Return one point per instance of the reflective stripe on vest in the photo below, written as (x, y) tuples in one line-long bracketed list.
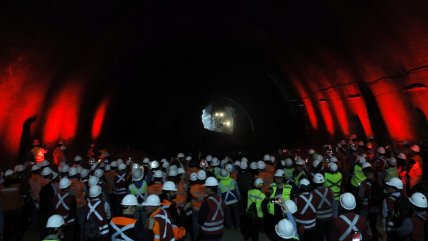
[(323, 213), (137, 192), (334, 182), (92, 210), (213, 225), (298, 176), (358, 176), (167, 221), (121, 232), (308, 204), (120, 178), (288, 173), (227, 188), (255, 195), (351, 226), (61, 201)]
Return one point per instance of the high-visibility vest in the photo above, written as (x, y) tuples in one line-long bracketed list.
[(96, 209), (299, 176), (257, 196), (390, 173), (198, 194), (162, 229), (138, 192), (119, 184), (288, 173), (179, 232), (214, 223), (358, 176), (334, 182), (228, 191), (306, 214), (120, 225), (286, 192)]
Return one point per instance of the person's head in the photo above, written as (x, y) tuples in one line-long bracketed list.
[(394, 185), (419, 201), (279, 176), (285, 229), (299, 164), (64, 184), (332, 167), (129, 204), (54, 225), (347, 202), (318, 179), (368, 170), (169, 190), (211, 185), (151, 204), (305, 185), (258, 183)]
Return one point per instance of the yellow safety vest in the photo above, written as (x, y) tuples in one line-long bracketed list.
[(286, 193), (257, 196), (334, 182), (358, 176)]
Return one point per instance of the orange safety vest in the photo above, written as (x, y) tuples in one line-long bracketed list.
[(154, 188), (198, 194), (179, 232), (121, 227), (162, 228)]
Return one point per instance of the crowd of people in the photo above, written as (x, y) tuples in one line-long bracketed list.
[(354, 190)]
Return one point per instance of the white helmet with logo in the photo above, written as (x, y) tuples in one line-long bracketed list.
[(193, 176), (419, 200), (154, 164), (253, 165), (318, 178), (202, 175), (208, 158), (180, 155), (244, 159)]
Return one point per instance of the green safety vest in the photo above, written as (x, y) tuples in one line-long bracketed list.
[(334, 182), (390, 173), (358, 176), (286, 193), (227, 189), (298, 176), (288, 173), (257, 196), (138, 192)]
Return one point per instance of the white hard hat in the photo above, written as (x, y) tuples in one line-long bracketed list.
[(119, 161), (311, 151), (237, 163), (261, 165), (243, 165), (180, 155), (318, 178), (347, 201), (130, 200), (173, 167), (401, 156), (272, 159), (154, 164), (9, 172), (229, 168), (180, 170), (165, 165), (319, 158), (64, 168), (366, 165), (172, 172), (392, 161), (45, 163), (285, 229), (152, 200), (106, 168), (35, 167), (208, 158), (300, 162), (333, 159), (381, 150), (84, 173), (215, 162), (395, 182), (113, 164), (211, 182), (19, 168), (258, 182), (288, 162), (253, 165), (193, 176), (361, 160), (95, 191), (77, 158), (304, 182), (244, 159), (46, 171), (164, 160), (64, 183), (72, 171), (202, 175), (315, 163), (135, 166), (188, 158), (146, 160), (419, 200), (169, 186), (121, 166), (266, 157), (224, 173), (55, 221), (137, 175), (93, 180), (279, 173), (291, 206), (415, 148), (99, 173), (332, 166), (158, 174)]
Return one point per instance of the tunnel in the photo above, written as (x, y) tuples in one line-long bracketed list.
[(139, 74)]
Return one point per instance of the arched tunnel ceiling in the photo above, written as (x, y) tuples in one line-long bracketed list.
[(339, 67)]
